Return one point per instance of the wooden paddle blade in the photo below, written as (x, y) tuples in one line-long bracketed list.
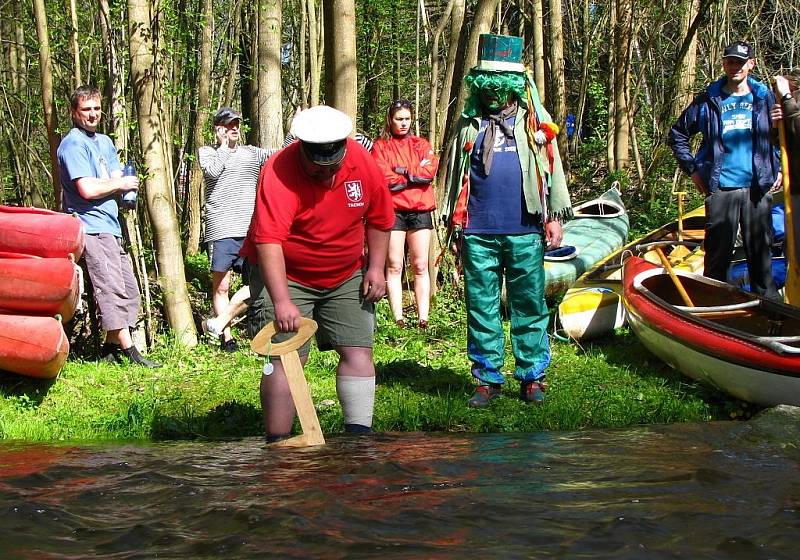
[(302, 399), (262, 342), (296, 441)]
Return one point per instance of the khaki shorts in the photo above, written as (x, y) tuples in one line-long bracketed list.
[(344, 317)]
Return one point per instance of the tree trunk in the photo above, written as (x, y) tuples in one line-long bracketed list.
[(557, 79), (315, 51), (73, 44), (48, 103), (538, 48), (195, 195), (269, 106), (451, 84), (433, 125), (158, 190), (341, 67), (686, 67), (622, 43)]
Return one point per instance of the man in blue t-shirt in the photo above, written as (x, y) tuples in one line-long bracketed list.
[(92, 181), (735, 167)]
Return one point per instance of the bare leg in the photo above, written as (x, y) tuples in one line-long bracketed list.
[(419, 241), (394, 273), (120, 337), (276, 400), (236, 307), (220, 285)]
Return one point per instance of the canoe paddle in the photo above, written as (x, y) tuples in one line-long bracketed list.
[(287, 350), (678, 284)]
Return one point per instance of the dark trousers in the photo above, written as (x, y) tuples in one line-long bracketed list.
[(726, 212)]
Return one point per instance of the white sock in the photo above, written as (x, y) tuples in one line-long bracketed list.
[(357, 397)]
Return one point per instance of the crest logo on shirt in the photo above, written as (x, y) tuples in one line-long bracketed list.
[(353, 191)]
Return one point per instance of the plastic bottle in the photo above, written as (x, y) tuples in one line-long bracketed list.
[(129, 197)]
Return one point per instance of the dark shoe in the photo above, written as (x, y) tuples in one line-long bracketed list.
[(484, 394), (532, 391), (135, 357), (400, 324), (229, 346), (110, 353), (422, 324), (275, 438), (357, 429)]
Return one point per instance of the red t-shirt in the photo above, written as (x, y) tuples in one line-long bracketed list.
[(416, 155), (321, 229)]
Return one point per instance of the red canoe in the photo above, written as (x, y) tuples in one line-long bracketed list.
[(32, 346), (35, 286), (735, 341), (34, 231)]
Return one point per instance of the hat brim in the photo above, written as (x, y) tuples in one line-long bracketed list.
[(318, 158), (228, 120)]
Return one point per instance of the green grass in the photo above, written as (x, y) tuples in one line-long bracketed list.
[(423, 385)]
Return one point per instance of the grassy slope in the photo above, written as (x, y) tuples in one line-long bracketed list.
[(423, 385)]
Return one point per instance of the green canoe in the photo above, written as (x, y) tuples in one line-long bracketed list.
[(599, 228)]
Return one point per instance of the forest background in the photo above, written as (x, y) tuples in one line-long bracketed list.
[(623, 70)]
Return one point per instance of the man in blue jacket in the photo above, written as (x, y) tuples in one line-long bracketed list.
[(735, 167)]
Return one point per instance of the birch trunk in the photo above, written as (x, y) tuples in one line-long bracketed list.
[(158, 190), (48, 103)]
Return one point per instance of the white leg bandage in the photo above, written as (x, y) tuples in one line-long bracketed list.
[(357, 397)]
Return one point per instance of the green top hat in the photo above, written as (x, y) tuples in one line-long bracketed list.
[(499, 53)]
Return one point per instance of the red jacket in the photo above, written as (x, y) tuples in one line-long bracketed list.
[(416, 156)]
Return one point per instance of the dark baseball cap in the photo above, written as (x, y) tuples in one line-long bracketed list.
[(226, 115), (738, 49)]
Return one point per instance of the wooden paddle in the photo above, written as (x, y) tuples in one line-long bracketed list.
[(792, 288), (287, 350), (675, 280)]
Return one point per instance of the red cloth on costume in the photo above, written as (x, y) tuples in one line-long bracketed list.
[(416, 156), (321, 229)]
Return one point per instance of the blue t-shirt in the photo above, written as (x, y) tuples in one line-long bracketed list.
[(496, 201), (737, 141), (83, 155)]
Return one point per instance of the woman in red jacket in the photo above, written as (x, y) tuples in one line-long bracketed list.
[(409, 166)]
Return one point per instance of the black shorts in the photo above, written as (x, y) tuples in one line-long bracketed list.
[(411, 220)]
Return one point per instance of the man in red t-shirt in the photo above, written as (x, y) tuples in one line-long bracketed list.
[(318, 202)]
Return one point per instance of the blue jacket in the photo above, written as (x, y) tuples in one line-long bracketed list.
[(704, 115)]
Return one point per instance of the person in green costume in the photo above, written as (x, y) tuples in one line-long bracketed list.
[(506, 200)]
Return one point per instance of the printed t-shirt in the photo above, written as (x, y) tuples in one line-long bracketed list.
[(496, 201), (321, 229), (82, 154), (737, 141)]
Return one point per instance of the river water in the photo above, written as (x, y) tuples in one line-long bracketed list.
[(713, 490)]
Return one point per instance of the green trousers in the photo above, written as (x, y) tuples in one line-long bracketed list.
[(521, 257)]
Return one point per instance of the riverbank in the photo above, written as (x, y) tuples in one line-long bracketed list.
[(423, 385)]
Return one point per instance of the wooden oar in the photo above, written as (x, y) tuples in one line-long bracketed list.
[(675, 280), (287, 350), (792, 288)]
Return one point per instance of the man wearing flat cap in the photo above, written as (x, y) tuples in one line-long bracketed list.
[(319, 201), (231, 174), (735, 167)]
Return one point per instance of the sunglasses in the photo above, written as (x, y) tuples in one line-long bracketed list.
[(401, 104)]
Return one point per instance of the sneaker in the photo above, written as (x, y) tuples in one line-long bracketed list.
[(532, 392), (484, 394), (210, 328), (400, 323), (423, 324), (229, 346)]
